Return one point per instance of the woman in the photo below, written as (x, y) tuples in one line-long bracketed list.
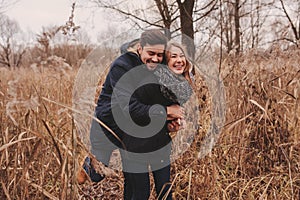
[(176, 80)]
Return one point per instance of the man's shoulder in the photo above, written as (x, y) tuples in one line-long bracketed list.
[(128, 59)]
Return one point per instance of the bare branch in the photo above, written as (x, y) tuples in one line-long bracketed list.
[(128, 14), (164, 12), (213, 3), (290, 20), (207, 12), (285, 39)]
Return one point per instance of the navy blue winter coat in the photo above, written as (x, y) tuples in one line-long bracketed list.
[(119, 98)]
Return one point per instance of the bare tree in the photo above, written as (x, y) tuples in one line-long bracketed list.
[(231, 29), (221, 24), (10, 52), (255, 17), (239, 24)]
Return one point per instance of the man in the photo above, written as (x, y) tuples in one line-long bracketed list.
[(117, 106)]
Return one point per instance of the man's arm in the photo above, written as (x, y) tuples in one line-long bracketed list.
[(125, 83)]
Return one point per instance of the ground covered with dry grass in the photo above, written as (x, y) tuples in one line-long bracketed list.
[(255, 157)]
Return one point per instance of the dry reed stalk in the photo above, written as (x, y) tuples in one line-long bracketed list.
[(6, 192), (190, 183), (47, 194), (5, 146)]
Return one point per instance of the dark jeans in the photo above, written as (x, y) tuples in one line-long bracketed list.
[(101, 146), (137, 185)]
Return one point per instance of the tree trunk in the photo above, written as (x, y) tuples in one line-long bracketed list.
[(186, 25), (237, 26)]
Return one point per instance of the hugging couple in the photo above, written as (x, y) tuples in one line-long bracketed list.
[(141, 103)]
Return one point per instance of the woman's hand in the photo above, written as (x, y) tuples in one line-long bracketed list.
[(181, 122)]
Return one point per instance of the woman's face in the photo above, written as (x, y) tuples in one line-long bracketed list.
[(176, 60)]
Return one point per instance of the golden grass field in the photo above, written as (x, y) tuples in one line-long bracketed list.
[(257, 155)]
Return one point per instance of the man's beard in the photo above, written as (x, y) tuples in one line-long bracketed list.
[(151, 66)]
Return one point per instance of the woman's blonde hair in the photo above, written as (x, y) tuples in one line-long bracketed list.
[(188, 68)]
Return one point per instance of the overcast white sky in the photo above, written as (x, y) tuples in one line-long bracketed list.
[(34, 14)]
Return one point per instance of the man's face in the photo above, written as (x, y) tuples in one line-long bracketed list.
[(152, 55)]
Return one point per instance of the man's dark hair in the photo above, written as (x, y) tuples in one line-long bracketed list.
[(153, 37)]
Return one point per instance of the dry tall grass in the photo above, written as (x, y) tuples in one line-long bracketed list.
[(256, 156)]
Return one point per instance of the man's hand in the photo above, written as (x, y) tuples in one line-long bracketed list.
[(176, 125), (175, 112)]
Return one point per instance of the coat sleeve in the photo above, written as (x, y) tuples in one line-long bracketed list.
[(142, 114)]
